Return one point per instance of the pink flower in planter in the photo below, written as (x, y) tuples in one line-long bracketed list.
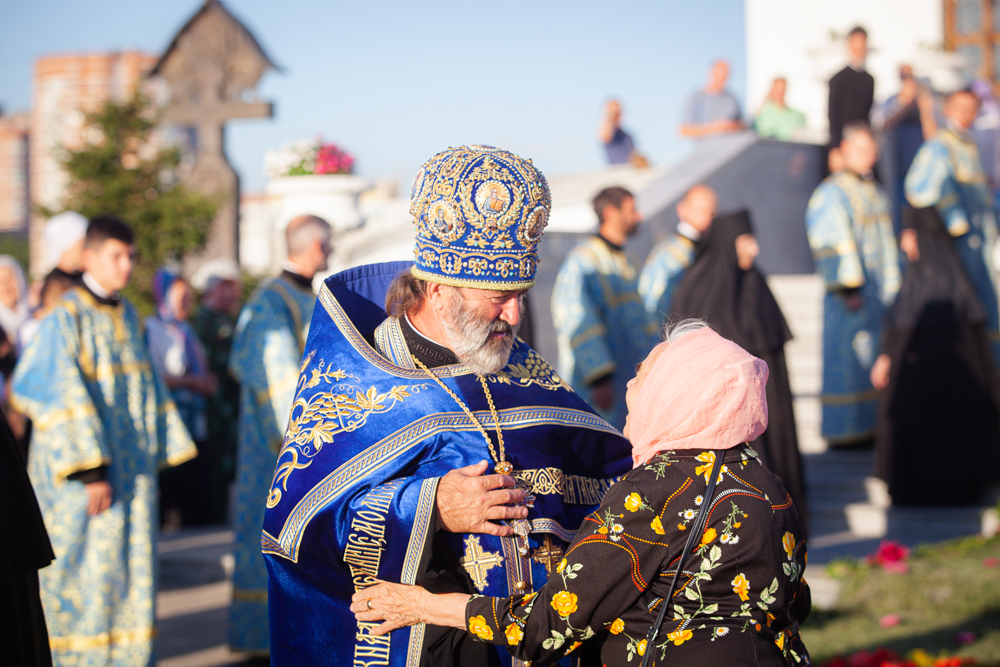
[(991, 562)]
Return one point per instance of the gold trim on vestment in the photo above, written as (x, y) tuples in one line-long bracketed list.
[(497, 285), (385, 451), (243, 595), (85, 643)]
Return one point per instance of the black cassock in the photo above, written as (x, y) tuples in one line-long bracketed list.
[(938, 438), (24, 639), (739, 305), (851, 96)]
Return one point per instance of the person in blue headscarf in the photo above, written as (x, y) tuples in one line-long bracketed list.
[(179, 357)]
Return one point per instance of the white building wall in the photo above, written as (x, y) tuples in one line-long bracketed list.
[(792, 38)]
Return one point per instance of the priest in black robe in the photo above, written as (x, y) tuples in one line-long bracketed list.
[(724, 288), (937, 439), (852, 89), (24, 639)]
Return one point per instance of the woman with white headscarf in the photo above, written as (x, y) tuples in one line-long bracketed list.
[(13, 297)]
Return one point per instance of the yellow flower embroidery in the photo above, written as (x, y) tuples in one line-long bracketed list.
[(681, 526), (741, 586), (564, 602), (617, 626), (562, 564), (780, 640), (708, 458), (679, 636), (641, 648), (478, 627), (708, 537), (788, 541), (603, 530), (514, 634), (527, 598), (633, 502), (657, 526), (575, 646), (737, 524)]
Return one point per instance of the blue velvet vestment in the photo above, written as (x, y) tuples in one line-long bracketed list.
[(353, 497)]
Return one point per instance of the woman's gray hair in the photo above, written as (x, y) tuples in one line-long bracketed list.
[(674, 331)]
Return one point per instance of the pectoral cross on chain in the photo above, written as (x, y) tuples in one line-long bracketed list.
[(549, 554), (477, 561)]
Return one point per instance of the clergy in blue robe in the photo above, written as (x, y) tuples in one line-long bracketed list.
[(391, 408), (851, 236), (665, 266), (602, 327), (265, 359), (947, 174), (104, 426)]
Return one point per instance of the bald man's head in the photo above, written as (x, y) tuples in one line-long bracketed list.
[(697, 208), (308, 238)]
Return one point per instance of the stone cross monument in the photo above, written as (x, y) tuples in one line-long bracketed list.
[(212, 67)]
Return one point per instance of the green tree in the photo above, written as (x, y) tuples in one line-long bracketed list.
[(119, 172)]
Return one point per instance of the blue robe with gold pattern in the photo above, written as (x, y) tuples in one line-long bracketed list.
[(601, 325), (854, 248), (663, 272), (369, 436), (265, 359), (86, 382), (947, 174)]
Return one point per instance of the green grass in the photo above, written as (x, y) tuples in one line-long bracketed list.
[(947, 590)]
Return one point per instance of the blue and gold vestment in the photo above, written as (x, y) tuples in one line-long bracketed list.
[(265, 359), (948, 174), (601, 324), (86, 382), (851, 236), (663, 272), (369, 436)]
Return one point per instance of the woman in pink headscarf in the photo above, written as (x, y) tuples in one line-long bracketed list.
[(741, 595)]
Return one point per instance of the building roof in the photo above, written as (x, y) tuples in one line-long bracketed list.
[(209, 6)]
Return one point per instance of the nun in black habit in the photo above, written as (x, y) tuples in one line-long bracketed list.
[(24, 639), (724, 288), (938, 435)]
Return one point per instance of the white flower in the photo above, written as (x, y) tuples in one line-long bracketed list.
[(734, 539), (698, 501), (725, 538), (617, 528), (687, 514), (719, 632)]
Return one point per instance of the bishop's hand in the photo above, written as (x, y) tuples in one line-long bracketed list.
[(469, 501)]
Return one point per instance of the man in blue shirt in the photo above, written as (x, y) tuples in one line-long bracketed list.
[(618, 144), (713, 110)]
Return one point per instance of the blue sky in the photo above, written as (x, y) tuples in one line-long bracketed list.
[(395, 82)]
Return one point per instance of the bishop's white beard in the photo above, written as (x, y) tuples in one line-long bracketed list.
[(470, 337)]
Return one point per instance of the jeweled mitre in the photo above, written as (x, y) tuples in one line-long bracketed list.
[(480, 213)]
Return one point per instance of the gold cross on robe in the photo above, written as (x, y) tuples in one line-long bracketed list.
[(477, 561), (549, 554)]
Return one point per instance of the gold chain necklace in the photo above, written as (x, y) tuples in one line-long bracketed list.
[(501, 464)]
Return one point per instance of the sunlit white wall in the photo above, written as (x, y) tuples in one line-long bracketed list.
[(792, 38)]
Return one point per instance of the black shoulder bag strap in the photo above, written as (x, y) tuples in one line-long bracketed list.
[(693, 538)]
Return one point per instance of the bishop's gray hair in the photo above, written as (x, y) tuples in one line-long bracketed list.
[(674, 331)]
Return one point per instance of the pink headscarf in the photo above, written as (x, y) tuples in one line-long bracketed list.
[(703, 392)]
